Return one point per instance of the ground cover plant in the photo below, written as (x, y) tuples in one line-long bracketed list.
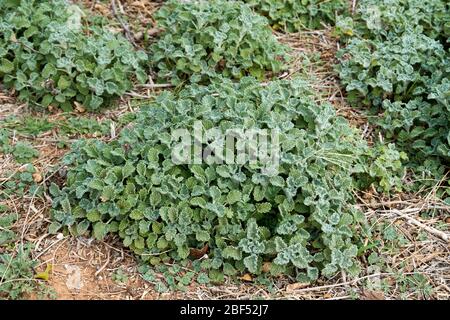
[(351, 200), (17, 277), (384, 18), (53, 59), (292, 15), (297, 219), (203, 39), (396, 62)]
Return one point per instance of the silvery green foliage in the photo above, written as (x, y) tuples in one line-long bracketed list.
[(399, 69), (300, 219), (17, 273), (203, 39), (383, 168), (397, 61), (295, 15), (381, 19), (49, 58)]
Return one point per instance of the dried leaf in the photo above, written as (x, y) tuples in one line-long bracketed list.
[(266, 267), (296, 286), (37, 177), (154, 31), (372, 295), (79, 107), (197, 254), (246, 277), (151, 33)]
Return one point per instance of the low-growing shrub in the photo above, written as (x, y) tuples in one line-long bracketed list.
[(52, 58), (297, 218), (383, 168), (294, 15), (396, 61), (399, 69), (17, 277), (383, 19), (419, 127), (205, 38), (7, 220), (20, 182)]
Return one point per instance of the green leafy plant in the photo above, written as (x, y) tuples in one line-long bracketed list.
[(5, 140), (52, 58), (174, 277), (17, 275), (399, 69), (20, 182), (119, 276), (294, 15), (384, 168), (299, 217), (28, 125), (7, 219), (382, 19), (23, 152), (205, 38), (397, 63), (419, 127)]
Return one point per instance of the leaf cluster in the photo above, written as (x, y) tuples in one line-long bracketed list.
[(7, 220), (23, 152), (52, 56), (383, 19), (298, 218), (382, 167), (17, 275), (397, 62), (294, 15), (203, 39)]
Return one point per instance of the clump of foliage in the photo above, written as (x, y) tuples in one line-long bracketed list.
[(298, 218), (6, 222), (383, 168), (397, 63), (294, 15), (16, 264), (205, 38), (20, 182), (51, 57), (23, 152), (399, 69), (17, 278), (382, 19), (5, 141)]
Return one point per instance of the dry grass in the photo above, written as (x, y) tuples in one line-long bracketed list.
[(424, 252)]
